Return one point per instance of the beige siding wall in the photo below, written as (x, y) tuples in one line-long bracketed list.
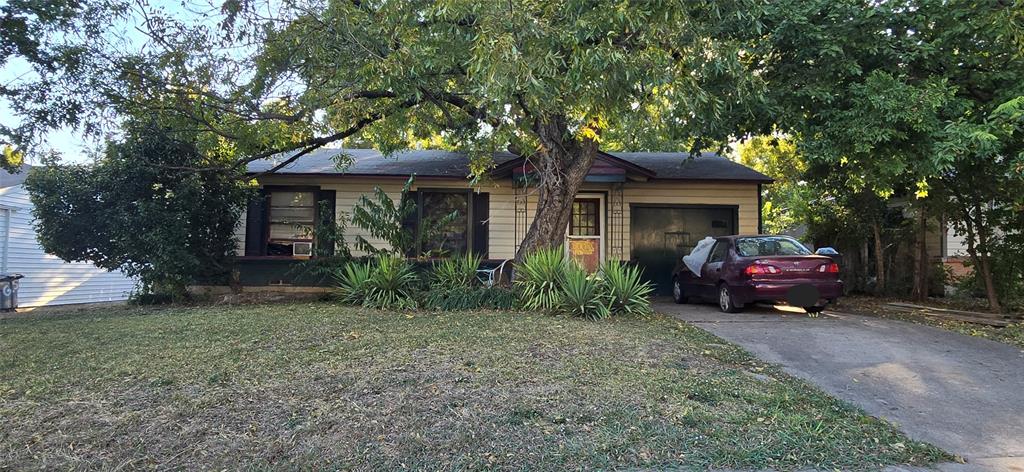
[(503, 235), (348, 191)]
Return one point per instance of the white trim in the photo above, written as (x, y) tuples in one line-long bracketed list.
[(602, 221)]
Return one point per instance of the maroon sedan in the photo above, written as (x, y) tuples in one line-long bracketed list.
[(751, 269)]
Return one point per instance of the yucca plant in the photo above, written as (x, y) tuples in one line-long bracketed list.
[(583, 294), (626, 292), (539, 279), (391, 284), (455, 273), (353, 282)]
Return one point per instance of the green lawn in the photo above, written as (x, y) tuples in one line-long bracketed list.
[(315, 385)]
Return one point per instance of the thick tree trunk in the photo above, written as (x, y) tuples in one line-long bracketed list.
[(562, 164), (876, 229), (990, 285)]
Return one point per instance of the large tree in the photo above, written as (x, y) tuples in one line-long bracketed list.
[(548, 79), (142, 210), (872, 87)]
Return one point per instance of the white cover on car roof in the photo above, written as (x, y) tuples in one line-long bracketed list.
[(699, 255)]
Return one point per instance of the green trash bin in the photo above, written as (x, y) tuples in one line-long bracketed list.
[(9, 291)]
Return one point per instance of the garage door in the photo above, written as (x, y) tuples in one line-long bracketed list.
[(661, 235)]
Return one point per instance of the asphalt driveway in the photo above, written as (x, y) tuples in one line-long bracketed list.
[(961, 393)]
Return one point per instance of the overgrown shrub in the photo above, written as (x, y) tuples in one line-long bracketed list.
[(353, 282), (391, 284), (627, 293), (1007, 275), (140, 210), (469, 298), (455, 273), (539, 279), (548, 280), (384, 219), (583, 295)]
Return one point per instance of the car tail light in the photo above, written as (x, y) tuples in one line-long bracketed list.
[(760, 269), (832, 268)]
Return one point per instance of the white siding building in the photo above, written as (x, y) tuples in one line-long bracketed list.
[(48, 280)]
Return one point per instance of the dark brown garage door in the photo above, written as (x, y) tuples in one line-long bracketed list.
[(662, 235)]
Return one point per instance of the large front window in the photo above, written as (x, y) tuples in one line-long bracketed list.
[(445, 235), (291, 216)]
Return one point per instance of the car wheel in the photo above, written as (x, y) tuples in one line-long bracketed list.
[(725, 301), (677, 292), (813, 310)]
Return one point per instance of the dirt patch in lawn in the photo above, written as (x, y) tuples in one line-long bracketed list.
[(315, 385)]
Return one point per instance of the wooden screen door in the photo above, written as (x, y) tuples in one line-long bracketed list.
[(585, 236)]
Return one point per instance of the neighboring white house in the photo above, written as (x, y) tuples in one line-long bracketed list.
[(48, 280)]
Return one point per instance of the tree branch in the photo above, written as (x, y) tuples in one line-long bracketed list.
[(313, 144), (470, 109)]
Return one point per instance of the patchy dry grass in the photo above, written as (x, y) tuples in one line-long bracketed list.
[(313, 385), (872, 306)]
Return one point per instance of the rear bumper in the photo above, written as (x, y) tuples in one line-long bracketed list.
[(776, 292)]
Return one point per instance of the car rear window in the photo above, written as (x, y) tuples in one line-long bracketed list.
[(770, 246)]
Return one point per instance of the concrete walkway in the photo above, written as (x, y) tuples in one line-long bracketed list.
[(961, 393)]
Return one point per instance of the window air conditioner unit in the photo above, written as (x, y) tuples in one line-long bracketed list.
[(302, 249)]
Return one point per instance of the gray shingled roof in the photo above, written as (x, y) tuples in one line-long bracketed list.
[(433, 163)]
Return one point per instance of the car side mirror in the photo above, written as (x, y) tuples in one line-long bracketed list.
[(826, 251)]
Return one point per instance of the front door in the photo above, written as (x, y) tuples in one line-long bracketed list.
[(585, 239)]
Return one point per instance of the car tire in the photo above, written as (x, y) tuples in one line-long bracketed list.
[(726, 303), (677, 292), (813, 310)]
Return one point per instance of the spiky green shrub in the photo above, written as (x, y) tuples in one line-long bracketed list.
[(469, 298), (539, 279), (455, 272), (583, 295), (627, 293), (391, 284), (353, 282)]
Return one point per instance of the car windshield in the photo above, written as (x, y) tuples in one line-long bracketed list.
[(770, 246)]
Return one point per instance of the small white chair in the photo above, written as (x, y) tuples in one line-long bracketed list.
[(487, 276)]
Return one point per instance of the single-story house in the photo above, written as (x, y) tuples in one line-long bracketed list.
[(646, 207), (48, 280)]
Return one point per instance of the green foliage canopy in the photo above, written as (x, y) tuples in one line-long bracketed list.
[(271, 77), (137, 210), (785, 201)]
